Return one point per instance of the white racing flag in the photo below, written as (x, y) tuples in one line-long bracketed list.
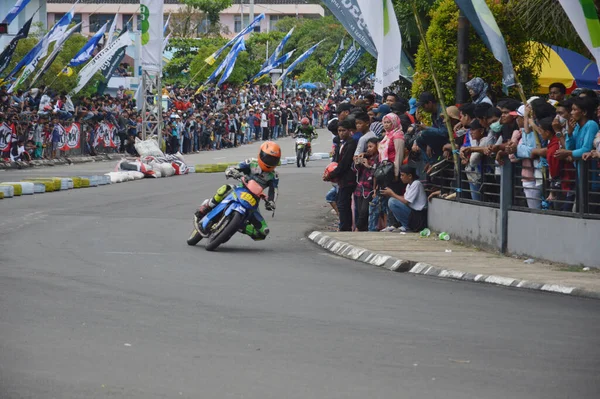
[(104, 56)]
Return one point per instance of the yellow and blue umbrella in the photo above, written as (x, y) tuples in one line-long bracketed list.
[(569, 68)]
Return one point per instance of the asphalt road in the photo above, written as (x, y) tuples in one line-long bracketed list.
[(100, 297)]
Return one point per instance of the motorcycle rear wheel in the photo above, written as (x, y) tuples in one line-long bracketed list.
[(225, 234)]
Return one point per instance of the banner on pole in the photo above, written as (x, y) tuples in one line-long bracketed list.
[(382, 24), (349, 13), (103, 57), (584, 18), (9, 51), (481, 18), (151, 12)]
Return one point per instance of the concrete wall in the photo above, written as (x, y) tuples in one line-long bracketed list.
[(554, 238), (469, 223)]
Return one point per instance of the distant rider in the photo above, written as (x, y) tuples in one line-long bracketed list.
[(261, 170), (305, 129)]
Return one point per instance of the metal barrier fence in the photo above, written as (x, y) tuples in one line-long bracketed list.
[(529, 188)]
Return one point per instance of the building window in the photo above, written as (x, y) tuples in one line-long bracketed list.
[(76, 19), (273, 19), (130, 21), (237, 22), (97, 20)]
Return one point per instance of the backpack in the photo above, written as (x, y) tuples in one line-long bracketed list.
[(384, 174)]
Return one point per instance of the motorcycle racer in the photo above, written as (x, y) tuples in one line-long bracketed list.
[(262, 171), (305, 129)]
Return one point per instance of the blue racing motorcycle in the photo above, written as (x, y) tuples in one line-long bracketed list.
[(230, 215)]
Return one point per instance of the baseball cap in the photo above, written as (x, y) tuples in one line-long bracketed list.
[(521, 111), (399, 107), (413, 106), (424, 98), (383, 109)]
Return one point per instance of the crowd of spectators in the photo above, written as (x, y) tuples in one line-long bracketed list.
[(31, 121), (391, 157)]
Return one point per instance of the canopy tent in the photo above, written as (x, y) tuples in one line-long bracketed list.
[(569, 68)]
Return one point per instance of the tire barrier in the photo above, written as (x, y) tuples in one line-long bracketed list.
[(1, 194), (7, 191), (18, 188), (76, 182), (39, 188)]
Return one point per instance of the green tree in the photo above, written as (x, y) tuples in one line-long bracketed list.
[(314, 72), (212, 9), (441, 37)]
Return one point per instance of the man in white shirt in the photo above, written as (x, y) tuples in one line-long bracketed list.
[(264, 124), (410, 209)]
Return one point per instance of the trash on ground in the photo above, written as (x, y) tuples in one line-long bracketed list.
[(529, 261), (444, 236), (425, 233), (448, 251)]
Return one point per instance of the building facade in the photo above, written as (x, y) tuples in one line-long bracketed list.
[(93, 14), (19, 21)]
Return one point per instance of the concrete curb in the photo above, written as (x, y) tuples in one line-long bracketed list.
[(363, 255)]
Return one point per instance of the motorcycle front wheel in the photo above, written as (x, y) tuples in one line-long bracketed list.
[(225, 231), (195, 238), (299, 156)]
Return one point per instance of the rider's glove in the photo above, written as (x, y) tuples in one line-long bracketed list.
[(270, 205)]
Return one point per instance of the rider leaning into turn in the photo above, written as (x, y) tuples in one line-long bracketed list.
[(261, 170), (307, 130)]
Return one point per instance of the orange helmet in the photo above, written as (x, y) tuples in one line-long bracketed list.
[(304, 121), (269, 156)]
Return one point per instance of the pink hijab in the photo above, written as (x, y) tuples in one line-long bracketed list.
[(387, 149)]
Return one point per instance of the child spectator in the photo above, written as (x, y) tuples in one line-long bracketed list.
[(472, 154), (561, 173), (344, 173), (365, 166), (409, 209), (363, 122)]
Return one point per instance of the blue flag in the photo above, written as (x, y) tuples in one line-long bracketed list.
[(88, 49), (282, 60), (278, 50), (300, 59), (479, 15), (225, 62), (241, 46), (17, 8)]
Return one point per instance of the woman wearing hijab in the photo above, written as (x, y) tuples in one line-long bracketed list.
[(478, 91), (391, 148)]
